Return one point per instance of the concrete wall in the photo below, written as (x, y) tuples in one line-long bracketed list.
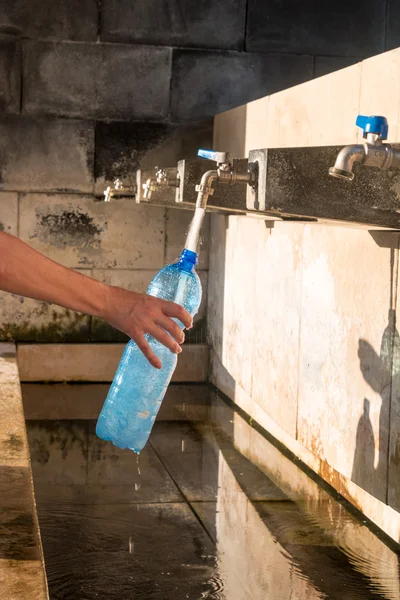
[(76, 114), (91, 91), (303, 316)]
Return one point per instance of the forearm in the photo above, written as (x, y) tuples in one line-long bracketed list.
[(28, 273)]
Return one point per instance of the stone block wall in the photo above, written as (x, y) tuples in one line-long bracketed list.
[(91, 91), (57, 170)]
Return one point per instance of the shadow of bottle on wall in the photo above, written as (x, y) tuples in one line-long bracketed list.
[(370, 466)]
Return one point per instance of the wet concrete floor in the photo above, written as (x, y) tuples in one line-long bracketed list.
[(192, 517)]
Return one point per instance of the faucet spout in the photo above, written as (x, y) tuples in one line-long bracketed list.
[(345, 160), (372, 153), (163, 178), (224, 173), (119, 189), (204, 189)]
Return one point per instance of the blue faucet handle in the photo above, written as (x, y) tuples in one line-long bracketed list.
[(373, 124), (218, 157)]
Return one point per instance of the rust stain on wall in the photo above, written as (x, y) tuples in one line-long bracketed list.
[(338, 482)]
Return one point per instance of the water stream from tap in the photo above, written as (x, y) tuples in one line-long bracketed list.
[(192, 240)]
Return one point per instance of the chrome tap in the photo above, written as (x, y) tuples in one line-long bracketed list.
[(224, 173), (163, 178), (372, 153), (118, 190)]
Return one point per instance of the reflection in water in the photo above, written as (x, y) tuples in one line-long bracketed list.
[(208, 522)]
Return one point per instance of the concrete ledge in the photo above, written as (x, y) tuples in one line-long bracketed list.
[(84, 401), (22, 572), (294, 182), (97, 362)]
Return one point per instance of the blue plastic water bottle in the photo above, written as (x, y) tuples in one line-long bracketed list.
[(138, 389)]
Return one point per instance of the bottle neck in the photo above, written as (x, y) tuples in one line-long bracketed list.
[(188, 260)]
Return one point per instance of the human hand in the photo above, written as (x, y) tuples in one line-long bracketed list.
[(137, 314)]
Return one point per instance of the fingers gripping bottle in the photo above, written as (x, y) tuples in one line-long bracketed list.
[(138, 389)]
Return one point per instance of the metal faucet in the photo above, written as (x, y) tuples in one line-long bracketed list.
[(373, 153), (163, 178), (118, 190), (225, 173)]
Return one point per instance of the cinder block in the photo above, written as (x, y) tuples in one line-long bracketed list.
[(46, 154), (10, 74), (393, 25), (82, 233), (338, 28), (206, 83), (122, 148), (47, 19), (109, 81), (205, 24), (27, 320), (9, 212)]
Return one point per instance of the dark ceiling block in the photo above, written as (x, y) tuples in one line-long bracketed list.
[(327, 64), (204, 24), (206, 83), (354, 28), (393, 25), (99, 81), (46, 154), (53, 19), (122, 148), (10, 74)]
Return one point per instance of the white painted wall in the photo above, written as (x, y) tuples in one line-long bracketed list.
[(299, 313)]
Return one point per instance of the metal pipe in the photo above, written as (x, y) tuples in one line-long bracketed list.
[(205, 189), (118, 190), (373, 153), (376, 154), (395, 158), (345, 160)]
